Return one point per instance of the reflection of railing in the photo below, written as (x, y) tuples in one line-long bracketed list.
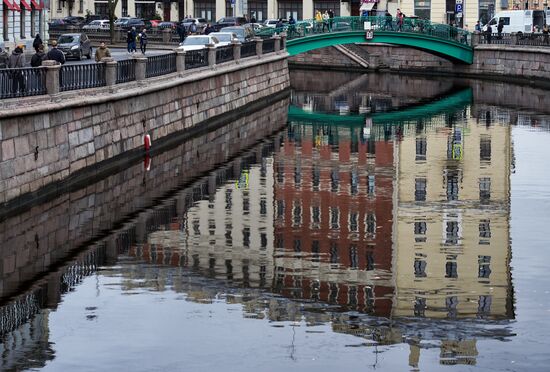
[(20, 82), (224, 54), (17, 313), (160, 65), (126, 71), (82, 76), (248, 49), (196, 58)]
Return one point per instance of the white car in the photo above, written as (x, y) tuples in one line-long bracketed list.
[(97, 25), (197, 42), (225, 38)]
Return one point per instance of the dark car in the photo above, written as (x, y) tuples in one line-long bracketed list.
[(132, 22), (75, 45), (75, 21), (228, 22), (244, 33), (163, 25), (57, 24)]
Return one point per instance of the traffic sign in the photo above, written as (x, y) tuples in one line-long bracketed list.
[(458, 8)]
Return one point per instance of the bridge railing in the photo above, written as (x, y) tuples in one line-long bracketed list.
[(26, 82), (341, 24)]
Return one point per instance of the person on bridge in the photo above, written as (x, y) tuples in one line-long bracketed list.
[(4, 56), (37, 42), (400, 16), (143, 41), (291, 26), (331, 18), (545, 31), (489, 33), (102, 52), (36, 59), (318, 20), (55, 54), (17, 61), (500, 27), (131, 40), (388, 24), (181, 31), (325, 21)]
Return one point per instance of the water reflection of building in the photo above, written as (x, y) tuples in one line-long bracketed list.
[(452, 248), (333, 212)]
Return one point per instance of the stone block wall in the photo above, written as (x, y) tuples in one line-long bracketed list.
[(323, 58), (50, 141), (53, 232)]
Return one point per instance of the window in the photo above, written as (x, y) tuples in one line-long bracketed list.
[(211, 226), (484, 189), (505, 20), (297, 175), (281, 210), (263, 240), (452, 233), (484, 270), (205, 9), (316, 176), (315, 250), (422, 8), (334, 259), (486, 10), (421, 147), (257, 10), (354, 181), (196, 227), (229, 269), (228, 237), (246, 203), (334, 180), (22, 21), (369, 299), (352, 297), (333, 293), (484, 306), (370, 225), (228, 199), (246, 237), (451, 269), (419, 306), (484, 231), (279, 241), (315, 217), (370, 260), (143, 10), (353, 223), (288, 8), (451, 304), (280, 170), (452, 185), (485, 149), (297, 214), (59, 7), (323, 5), (124, 8), (420, 189), (297, 245), (263, 207)]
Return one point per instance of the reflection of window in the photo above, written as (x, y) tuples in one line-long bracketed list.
[(315, 249), (452, 233), (484, 266), (316, 175), (484, 189), (370, 260), (263, 240), (452, 185), (297, 214), (419, 268), (315, 217), (334, 180), (484, 305), (371, 185), (353, 257), (229, 269), (333, 293), (246, 204), (419, 306), (228, 199), (297, 245), (281, 210), (334, 218), (421, 147), (370, 224), (211, 226), (280, 172), (369, 299), (451, 269), (228, 237), (297, 174), (420, 189), (263, 207), (484, 231), (451, 304), (196, 228), (420, 228), (485, 149), (246, 237), (354, 181), (353, 222), (334, 253), (279, 241)]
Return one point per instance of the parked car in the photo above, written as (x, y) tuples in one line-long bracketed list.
[(197, 42), (229, 21), (163, 25), (121, 20), (244, 33), (200, 22), (97, 25), (74, 21), (132, 22), (258, 26), (225, 38), (75, 45), (273, 22), (94, 17), (56, 24)]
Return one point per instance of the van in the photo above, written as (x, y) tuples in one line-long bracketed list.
[(518, 21)]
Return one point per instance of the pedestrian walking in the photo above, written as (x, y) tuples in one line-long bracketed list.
[(500, 27), (389, 20), (208, 29), (182, 32), (318, 20), (102, 52), (55, 54), (331, 18), (325, 21), (37, 42), (478, 27), (16, 62), (545, 31), (143, 41), (400, 17), (131, 40), (193, 28), (36, 59), (291, 26)]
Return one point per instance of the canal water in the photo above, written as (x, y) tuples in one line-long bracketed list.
[(367, 222)]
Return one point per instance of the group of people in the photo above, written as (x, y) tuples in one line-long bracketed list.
[(133, 37), (323, 21)]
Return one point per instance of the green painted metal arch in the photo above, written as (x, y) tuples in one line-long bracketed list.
[(449, 49), (453, 102)]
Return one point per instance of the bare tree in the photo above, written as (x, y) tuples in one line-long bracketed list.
[(111, 4)]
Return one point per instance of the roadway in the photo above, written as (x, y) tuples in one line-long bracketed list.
[(117, 53)]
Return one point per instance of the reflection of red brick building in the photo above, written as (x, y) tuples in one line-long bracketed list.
[(333, 219)]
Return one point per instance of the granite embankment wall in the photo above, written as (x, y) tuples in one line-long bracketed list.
[(48, 139), (514, 63), (39, 240)]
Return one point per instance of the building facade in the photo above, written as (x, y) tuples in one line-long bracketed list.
[(21, 20)]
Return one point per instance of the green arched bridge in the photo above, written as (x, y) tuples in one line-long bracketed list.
[(445, 41)]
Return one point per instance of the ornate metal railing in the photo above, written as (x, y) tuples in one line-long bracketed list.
[(248, 49), (268, 46), (160, 65), (389, 24), (533, 40), (73, 77), (224, 54), (21, 82), (126, 71), (495, 38), (196, 58)]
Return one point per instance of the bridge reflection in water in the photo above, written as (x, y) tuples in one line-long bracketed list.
[(395, 236)]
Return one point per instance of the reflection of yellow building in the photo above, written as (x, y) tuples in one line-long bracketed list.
[(452, 246)]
